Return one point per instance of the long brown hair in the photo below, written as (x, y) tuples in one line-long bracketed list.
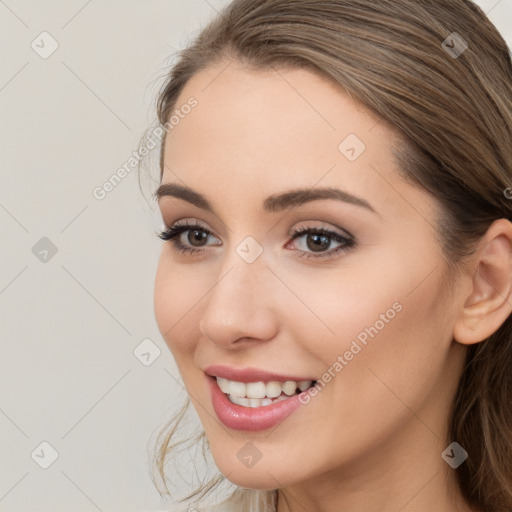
[(441, 73)]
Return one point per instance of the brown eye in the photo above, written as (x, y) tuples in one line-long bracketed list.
[(189, 238), (197, 237), (318, 243), (313, 242)]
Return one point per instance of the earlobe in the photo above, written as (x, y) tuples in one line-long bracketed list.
[(489, 301)]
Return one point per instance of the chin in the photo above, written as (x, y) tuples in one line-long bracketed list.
[(263, 475), (250, 480)]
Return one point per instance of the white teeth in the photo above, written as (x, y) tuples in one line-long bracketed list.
[(239, 400), (256, 389), (223, 384), (289, 387), (305, 384), (252, 402), (273, 389), (237, 388), (260, 394)]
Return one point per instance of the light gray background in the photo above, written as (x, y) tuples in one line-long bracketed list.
[(69, 326)]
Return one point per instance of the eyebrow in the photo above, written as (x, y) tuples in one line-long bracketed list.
[(274, 203)]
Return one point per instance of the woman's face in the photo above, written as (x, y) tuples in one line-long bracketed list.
[(355, 300)]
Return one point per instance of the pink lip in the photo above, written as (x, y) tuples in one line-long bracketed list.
[(250, 375), (247, 418)]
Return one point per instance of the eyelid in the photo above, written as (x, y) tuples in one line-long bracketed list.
[(187, 221), (323, 226)]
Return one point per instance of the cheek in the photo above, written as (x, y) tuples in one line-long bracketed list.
[(175, 294), (338, 305), (383, 315), (404, 360)]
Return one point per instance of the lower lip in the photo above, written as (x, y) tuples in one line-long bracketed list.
[(250, 418)]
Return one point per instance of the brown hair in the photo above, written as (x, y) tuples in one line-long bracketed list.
[(453, 105)]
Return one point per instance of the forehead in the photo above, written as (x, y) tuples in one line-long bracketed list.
[(261, 131), (292, 102), (272, 115)]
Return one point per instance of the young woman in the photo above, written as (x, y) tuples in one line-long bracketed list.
[(335, 282)]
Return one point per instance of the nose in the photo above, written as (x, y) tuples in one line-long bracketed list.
[(239, 307)]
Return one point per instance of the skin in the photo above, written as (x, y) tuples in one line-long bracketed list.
[(372, 438)]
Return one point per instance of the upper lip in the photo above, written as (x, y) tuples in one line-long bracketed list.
[(250, 374)]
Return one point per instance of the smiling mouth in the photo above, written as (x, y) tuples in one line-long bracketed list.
[(261, 394)]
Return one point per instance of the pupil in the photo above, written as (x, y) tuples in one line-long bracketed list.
[(195, 237), (320, 242)]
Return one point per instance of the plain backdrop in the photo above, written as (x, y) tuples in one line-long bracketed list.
[(85, 378)]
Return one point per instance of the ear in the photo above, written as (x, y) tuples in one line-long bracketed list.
[(489, 281)]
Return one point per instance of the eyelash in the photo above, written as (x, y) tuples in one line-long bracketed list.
[(172, 234)]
